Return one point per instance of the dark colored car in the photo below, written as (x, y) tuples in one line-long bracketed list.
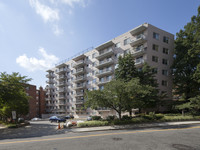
[(69, 117), (57, 119)]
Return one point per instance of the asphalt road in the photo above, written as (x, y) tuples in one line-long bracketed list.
[(43, 136)]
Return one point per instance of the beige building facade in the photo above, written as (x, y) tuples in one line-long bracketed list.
[(92, 69)]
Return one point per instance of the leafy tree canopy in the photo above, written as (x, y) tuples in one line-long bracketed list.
[(12, 94)]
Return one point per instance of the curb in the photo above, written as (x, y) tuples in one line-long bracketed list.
[(135, 126)]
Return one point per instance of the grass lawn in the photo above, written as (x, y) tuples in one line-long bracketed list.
[(140, 119)]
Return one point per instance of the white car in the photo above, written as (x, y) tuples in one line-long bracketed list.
[(36, 119)]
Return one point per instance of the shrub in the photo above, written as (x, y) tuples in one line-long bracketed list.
[(110, 118), (96, 117), (126, 117), (120, 122), (93, 123), (153, 116), (158, 116)]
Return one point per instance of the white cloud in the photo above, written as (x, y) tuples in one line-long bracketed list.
[(47, 13), (33, 64), (51, 15), (72, 2)]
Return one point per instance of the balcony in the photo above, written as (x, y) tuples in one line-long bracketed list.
[(50, 75), (60, 97), (139, 39), (139, 62), (81, 86), (61, 77), (61, 84), (103, 82), (106, 53), (79, 102), (50, 87), (61, 90), (79, 94), (79, 71), (104, 73), (105, 45), (80, 79), (138, 51), (79, 63), (50, 81), (105, 63), (137, 30), (61, 103), (48, 98), (60, 71)]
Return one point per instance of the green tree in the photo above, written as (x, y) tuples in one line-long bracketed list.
[(121, 96), (126, 69), (112, 96), (12, 94), (187, 61)]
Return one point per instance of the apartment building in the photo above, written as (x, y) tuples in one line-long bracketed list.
[(36, 101), (92, 69)]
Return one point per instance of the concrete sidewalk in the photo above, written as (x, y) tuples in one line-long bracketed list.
[(134, 126)]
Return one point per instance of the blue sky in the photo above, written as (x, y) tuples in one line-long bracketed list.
[(36, 34)]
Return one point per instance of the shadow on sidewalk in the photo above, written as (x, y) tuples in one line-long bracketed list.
[(30, 131)]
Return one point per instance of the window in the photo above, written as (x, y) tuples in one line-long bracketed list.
[(88, 82), (139, 59), (117, 55), (127, 51), (165, 72), (108, 78), (127, 41), (155, 47), (165, 51), (118, 45), (139, 48), (154, 58), (164, 83), (165, 39), (165, 61), (101, 79), (101, 87), (93, 72), (156, 36), (94, 80), (155, 70)]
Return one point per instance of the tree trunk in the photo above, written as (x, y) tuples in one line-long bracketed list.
[(120, 115), (183, 113), (130, 113)]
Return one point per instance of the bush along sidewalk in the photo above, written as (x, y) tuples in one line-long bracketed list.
[(14, 125), (150, 118)]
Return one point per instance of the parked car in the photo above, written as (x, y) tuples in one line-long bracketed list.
[(57, 119), (69, 117), (20, 120), (36, 119)]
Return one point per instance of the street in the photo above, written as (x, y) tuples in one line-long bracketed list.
[(43, 135)]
